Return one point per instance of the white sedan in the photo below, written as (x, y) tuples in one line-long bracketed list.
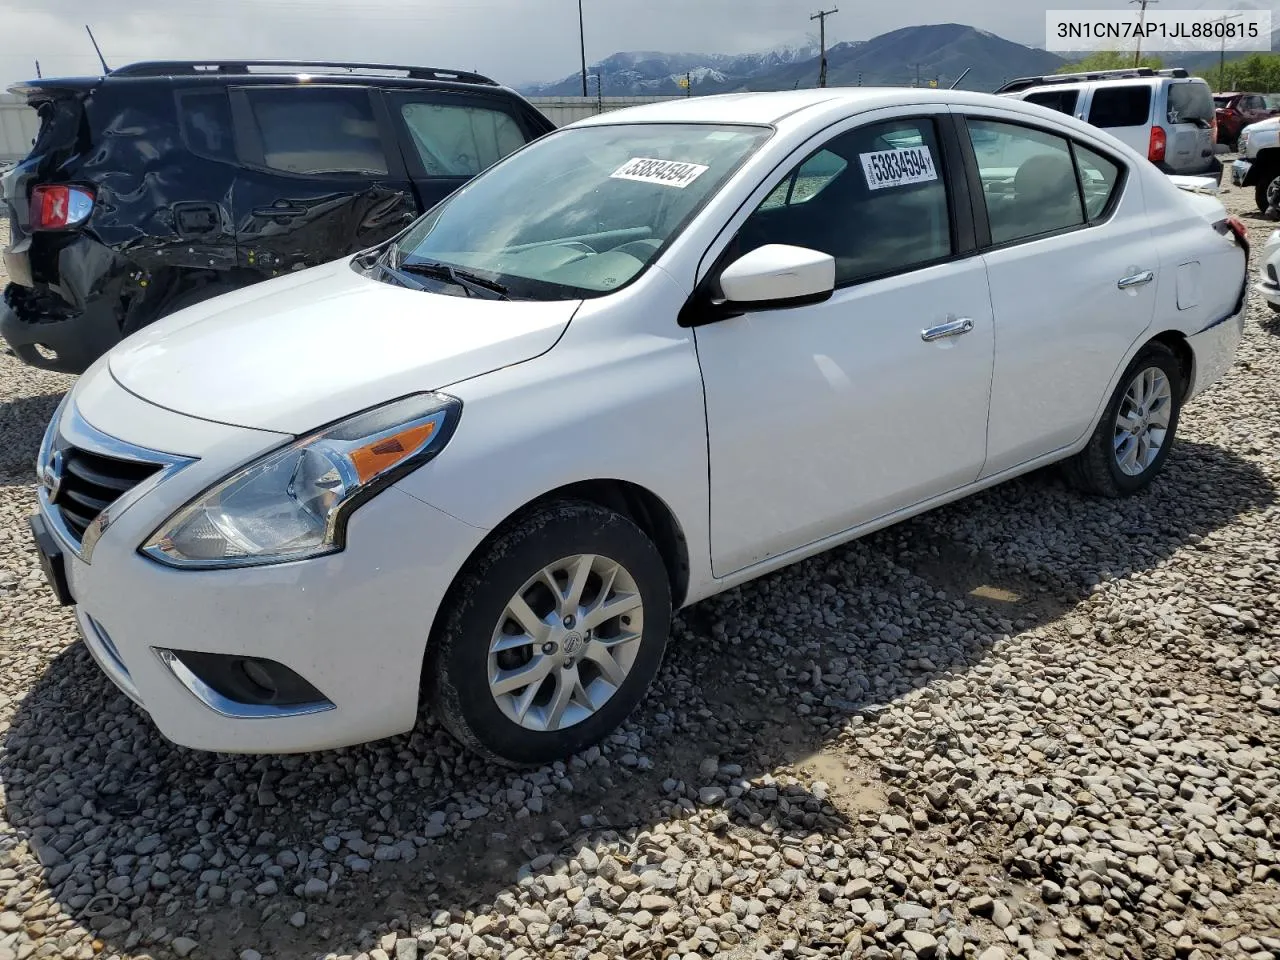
[(649, 357)]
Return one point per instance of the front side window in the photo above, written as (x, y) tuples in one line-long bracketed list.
[(315, 131), (1193, 103), (1028, 180), (460, 140), (1120, 105), (582, 211), (1064, 101), (874, 199)]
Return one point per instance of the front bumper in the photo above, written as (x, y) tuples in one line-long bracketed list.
[(353, 624)]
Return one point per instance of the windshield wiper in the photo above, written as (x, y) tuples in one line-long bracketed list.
[(398, 276), (474, 285)]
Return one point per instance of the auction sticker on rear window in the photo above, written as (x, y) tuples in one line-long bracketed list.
[(669, 173), (898, 168)]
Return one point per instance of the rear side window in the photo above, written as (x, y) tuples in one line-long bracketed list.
[(1099, 178), (317, 130), (460, 140), (1028, 180), (207, 129), (1192, 103), (1064, 101), (1121, 105)]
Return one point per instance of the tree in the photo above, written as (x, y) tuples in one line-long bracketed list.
[(1110, 60), (1256, 73)]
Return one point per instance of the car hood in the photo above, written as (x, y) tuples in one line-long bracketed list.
[(303, 350)]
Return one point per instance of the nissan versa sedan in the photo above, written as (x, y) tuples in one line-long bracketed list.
[(648, 357)]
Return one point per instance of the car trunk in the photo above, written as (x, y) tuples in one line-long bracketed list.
[(31, 261)]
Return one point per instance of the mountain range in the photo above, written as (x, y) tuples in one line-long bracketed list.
[(940, 52)]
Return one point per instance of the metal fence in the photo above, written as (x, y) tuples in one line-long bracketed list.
[(18, 123)]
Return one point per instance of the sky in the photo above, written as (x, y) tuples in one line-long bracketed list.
[(514, 41)]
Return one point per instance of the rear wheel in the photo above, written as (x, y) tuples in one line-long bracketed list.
[(552, 636), (1137, 429)]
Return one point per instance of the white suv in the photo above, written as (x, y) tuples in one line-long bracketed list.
[(1168, 116), (1259, 163)]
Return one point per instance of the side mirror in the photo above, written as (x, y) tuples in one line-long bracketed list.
[(777, 276)]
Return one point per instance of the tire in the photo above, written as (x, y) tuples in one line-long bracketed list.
[(477, 616), (180, 299), (1275, 308), (1097, 468), (1261, 189)]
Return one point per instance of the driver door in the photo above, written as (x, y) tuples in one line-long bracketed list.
[(825, 417)]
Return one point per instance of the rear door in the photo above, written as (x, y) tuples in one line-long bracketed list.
[(446, 138), (321, 176), (1189, 117), (1124, 111)]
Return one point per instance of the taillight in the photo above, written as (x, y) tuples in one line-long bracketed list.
[(58, 206), (1159, 141), (1213, 130), (1238, 228)]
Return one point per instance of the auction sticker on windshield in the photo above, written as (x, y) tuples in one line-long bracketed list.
[(897, 168), (669, 173)]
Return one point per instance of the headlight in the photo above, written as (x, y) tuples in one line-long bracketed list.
[(294, 503)]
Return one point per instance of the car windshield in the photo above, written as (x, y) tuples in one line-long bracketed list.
[(579, 213)]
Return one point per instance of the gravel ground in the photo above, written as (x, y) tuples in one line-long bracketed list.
[(1029, 725)]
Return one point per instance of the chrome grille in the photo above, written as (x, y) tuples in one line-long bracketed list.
[(91, 482)]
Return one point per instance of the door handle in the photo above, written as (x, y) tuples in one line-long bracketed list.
[(952, 328), (1136, 280), (281, 211)]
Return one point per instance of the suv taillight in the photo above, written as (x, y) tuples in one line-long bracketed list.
[(58, 206), (1159, 141)]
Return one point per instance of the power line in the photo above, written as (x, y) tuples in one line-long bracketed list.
[(821, 17)]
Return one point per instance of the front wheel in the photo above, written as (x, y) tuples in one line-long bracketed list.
[(551, 637), (1137, 429), (1267, 193)]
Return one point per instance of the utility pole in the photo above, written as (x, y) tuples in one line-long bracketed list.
[(917, 75), (688, 84), (582, 43), (599, 95), (1222, 56), (1142, 16), (39, 75), (821, 17)]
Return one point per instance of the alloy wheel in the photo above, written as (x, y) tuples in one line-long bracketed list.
[(1142, 422), (565, 642)]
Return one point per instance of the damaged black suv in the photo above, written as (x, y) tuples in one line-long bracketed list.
[(160, 185)]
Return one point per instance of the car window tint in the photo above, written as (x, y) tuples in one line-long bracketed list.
[(1192, 102), (1256, 103), (1098, 179), (318, 130), (881, 202), (807, 181), (460, 141), (206, 124), (1028, 180), (1116, 105), (1064, 101)]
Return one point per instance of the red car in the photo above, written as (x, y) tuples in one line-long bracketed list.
[(1235, 111)]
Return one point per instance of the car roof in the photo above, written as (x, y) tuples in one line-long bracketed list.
[(797, 106)]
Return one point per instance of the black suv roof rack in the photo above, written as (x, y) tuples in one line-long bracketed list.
[(167, 68), (1023, 83)]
